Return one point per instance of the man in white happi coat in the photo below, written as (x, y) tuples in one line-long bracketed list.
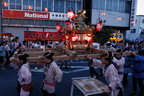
[(119, 62), (52, 74), (109, 71), (24, 86)]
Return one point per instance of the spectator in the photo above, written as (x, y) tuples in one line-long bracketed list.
[(42, 45), (3, 55), (16, 43), (31, 46), (24, 46)]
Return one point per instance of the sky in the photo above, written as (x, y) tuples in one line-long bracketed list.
[(140, 7)]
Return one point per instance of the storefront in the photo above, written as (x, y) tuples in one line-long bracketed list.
[(28, 23), (30, 15)]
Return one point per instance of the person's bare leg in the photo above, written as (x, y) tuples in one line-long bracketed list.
[(61, 65), (66, 64), (3, 64)]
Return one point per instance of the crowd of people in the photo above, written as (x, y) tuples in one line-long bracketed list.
[(128, 57), (114, 66)]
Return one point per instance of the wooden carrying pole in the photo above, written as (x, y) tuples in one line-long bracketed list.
[(37, 59), (64, 49)]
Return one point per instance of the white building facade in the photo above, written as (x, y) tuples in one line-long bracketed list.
[(113, 9), (136, 33)]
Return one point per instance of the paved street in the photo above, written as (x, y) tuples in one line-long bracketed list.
[(8, 80)]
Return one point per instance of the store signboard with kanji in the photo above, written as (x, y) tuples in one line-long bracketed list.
[(34, 35)]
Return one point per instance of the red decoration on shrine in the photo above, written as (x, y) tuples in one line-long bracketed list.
[(30, 7), (5, 4), (119, 18), (133, 22), (46, 9), (68, 26), (73, 38), (58, 27), (99, 26), (103, 13), (71, 15)]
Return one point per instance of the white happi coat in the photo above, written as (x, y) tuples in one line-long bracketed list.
[(120, 66), (52, 74), (110, 74), (24, 73)]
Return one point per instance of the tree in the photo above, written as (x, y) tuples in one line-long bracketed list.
[(103, 36)]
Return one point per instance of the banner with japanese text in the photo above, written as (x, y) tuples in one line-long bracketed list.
[(34, 35)]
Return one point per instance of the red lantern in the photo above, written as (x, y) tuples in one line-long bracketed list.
[(71, 15), (46, 9), (119, 18), (30, 7), (133, 22), (58, 27), (5, 4), (68, 26), (103, 13), (99, 26)]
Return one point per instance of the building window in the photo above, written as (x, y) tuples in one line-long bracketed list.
[(50, 5), (68, 6), (38, 5), (46, 23), (133, 30), (114, 5), (5, 21), (94, 4), (27, 3), (127, 7), (142, 31), (56, 6), (28, 22), (15, 21), (37, 22), (101, 4), (108, 5), (47, 4), (15, 4), (78, 6), (142, 20), (121, 5), (73, 6)]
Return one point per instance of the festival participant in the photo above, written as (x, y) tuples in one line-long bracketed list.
[(24, 86), (138, 71), (52, 73), (109, 71), (119, 62)]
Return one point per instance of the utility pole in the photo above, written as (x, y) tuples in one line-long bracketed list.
[(1, 28)]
